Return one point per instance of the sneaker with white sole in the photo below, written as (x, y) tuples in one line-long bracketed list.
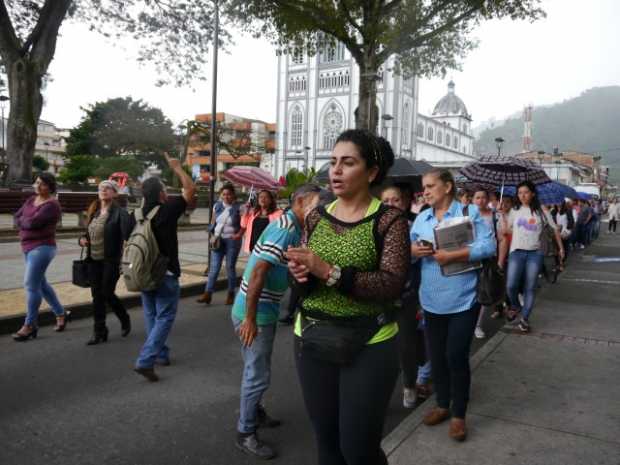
[(524, 326), (479, 333), (409, 397)]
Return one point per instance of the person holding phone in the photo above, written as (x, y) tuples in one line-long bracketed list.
[(449, 302)]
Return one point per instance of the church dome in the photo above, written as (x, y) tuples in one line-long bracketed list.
[(450, 104)]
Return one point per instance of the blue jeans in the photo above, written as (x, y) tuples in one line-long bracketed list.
[(230, 250), (160, 310), (523, 267), (256, 375), (37, 287)]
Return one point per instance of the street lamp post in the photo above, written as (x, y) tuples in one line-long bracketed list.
[(385, 119), (499, 142), (305, 152), (3, 98)]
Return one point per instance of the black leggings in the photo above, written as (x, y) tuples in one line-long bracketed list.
[(410, 345), (347, 404), (449, 338), (103, 278), (612, 225)]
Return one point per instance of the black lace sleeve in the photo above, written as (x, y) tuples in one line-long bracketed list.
[(388, 281)]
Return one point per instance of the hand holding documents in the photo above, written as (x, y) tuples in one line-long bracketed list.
[(453, 234)]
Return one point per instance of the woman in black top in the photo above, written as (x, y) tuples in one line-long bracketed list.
[(108, 227)]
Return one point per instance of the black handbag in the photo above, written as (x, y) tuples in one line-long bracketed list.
[(79, 275), (338, 340)]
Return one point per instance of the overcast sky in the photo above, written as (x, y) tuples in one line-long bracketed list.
[(516, 63)]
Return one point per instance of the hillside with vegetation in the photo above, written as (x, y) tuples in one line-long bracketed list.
[(587, 123)]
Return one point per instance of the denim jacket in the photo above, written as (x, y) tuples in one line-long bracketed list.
[(235, 215)]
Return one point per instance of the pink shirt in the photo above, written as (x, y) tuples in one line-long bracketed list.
[(246, 223)]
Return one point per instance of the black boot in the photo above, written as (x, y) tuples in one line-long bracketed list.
[(126, 327), (99, 335)]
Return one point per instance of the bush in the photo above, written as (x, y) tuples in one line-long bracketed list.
[(78, 169), (39, 163)]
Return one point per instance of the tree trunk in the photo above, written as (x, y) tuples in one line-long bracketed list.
[(26, 104), (367, 116)]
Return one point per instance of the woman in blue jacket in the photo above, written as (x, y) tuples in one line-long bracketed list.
[(226, 226), (449, 302)]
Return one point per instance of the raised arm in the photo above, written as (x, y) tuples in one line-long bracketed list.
[(189, 189)]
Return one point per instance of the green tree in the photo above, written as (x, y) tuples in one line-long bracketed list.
[(295, 179), (425, 37), (122, 126), (128, 164), (78, 169), (39, 163), (174, 36)]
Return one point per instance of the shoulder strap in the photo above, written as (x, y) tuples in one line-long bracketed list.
[(152, 213), (138, 215), (466, 210)]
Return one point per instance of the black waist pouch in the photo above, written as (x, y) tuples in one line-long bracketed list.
[(337, 340)]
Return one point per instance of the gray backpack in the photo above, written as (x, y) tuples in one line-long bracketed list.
[(143, 266)]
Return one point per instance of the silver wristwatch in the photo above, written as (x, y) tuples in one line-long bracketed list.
[(334, 276)]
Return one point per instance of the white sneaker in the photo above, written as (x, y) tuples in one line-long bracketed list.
[(479, 333), (409, 398)]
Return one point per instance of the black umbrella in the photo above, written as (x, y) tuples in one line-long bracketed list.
[(407, 171), (403, 171), (322, 175)]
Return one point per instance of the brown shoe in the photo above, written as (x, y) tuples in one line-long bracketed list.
[(205, 298), (230, 298), (436, 416), (458, 430)]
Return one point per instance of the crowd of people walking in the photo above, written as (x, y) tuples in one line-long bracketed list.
[(371, 297)]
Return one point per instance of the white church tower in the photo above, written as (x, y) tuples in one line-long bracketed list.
[(317, 100)]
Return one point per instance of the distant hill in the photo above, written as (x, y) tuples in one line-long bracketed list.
[(588, 123)]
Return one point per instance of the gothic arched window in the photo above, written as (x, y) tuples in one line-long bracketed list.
[(439, 137), (430, 134), (448, 140), (297, 126), (333, 124), (420, 131)]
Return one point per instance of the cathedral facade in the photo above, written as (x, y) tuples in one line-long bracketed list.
[(317, 100)]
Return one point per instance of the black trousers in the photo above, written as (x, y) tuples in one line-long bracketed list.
[(411, 350), (449, 338), (103, 278), (612, 225), (347, 404)]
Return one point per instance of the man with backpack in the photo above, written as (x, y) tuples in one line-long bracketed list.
[(154, 248)]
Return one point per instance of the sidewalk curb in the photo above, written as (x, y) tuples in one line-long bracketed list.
[(10, 324), (408, 426)]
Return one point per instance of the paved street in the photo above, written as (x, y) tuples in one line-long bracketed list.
[(550, 397), (64, 403)]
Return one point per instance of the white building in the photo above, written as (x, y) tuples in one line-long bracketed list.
[(317, 100)]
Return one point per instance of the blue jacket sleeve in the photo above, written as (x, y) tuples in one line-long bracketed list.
[(484, 245)]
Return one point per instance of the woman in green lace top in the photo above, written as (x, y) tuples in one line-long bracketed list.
[(354, 261)]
